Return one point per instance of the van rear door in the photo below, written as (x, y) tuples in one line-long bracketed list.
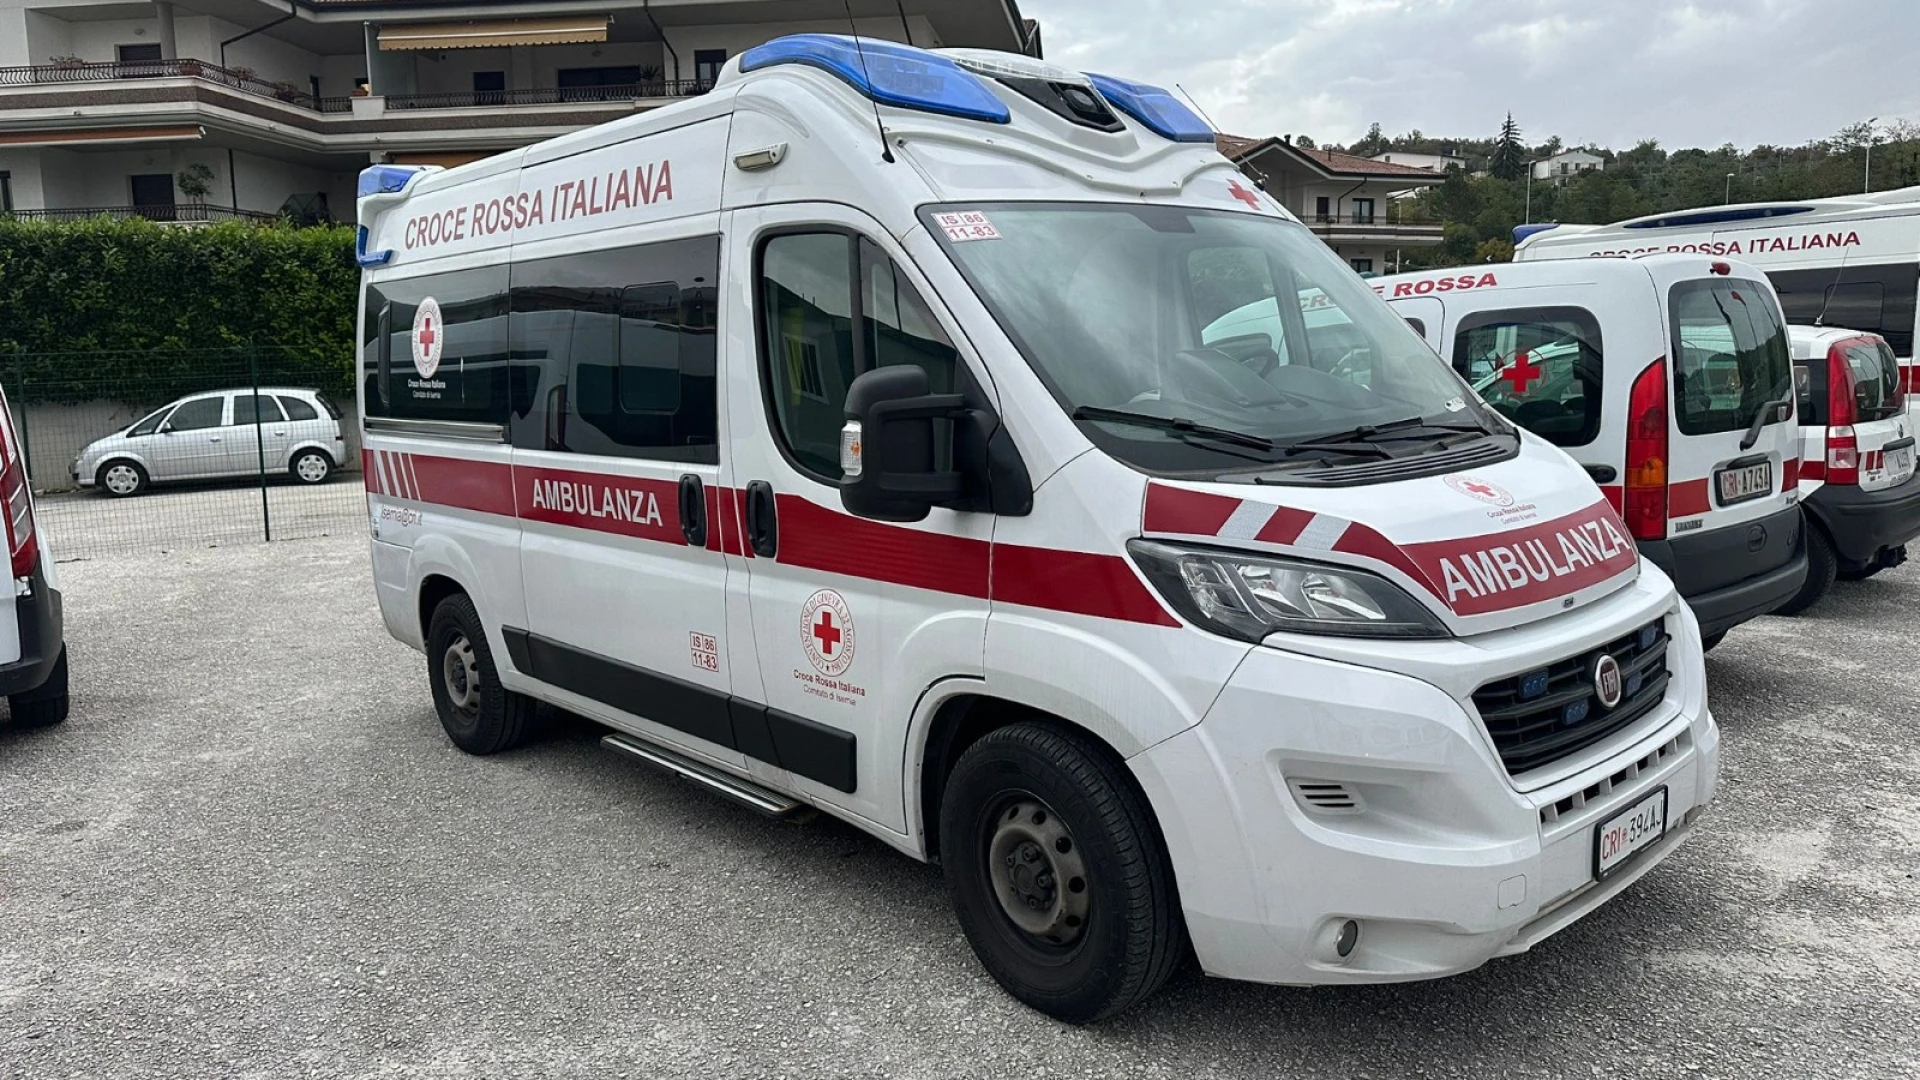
[(1865, 371)]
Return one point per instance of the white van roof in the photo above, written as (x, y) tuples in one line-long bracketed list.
[(802, 117), (1809, 225), (1552, 272)]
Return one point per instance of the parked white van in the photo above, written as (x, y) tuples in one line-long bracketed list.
[(848, 437), (1668, 378), (1857, 477), (33, 644)]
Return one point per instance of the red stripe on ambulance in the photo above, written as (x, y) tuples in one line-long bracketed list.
[(1479, 574), (623, 505)]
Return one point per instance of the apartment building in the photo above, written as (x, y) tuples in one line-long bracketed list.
[(194, 110), (1355, 204)]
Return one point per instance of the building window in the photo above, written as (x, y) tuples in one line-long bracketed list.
[(489, 87), (152, 195), (1323, 209), (138, 61), (707, 64), (6, 192), (1361, 266), (1363, 211)]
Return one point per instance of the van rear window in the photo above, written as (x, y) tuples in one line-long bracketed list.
[(1730, 354), (1875, 375)]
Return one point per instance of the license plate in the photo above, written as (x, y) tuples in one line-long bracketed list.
[(1900, 464), (1620, 836), (1745, 482)]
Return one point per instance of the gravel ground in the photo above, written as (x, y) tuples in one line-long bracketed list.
[(251, 853), (89, 524)]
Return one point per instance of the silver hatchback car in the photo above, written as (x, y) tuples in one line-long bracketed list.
[(210, 435)]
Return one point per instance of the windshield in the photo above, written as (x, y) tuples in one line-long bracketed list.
[(1235, 323), (1731, 354)]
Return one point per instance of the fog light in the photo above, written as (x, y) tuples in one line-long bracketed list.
[(1349, 937)]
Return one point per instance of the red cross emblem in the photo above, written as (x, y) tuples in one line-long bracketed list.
[(426, 333), (827, 634), (1479, 488), (1523, 371), (1234, 189)]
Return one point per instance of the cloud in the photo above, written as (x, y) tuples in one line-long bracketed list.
[(1689, 73)]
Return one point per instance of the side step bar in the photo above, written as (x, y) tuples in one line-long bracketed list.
[(745, 792)]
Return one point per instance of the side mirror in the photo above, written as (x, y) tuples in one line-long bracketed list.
[(887, 448), (166, 428)]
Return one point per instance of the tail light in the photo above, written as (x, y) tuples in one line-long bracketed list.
[(17, 492), (1644, 501), (1843, 450)]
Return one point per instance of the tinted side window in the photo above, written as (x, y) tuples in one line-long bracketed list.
[(811, 349), (467, 382), (1863, 297), (298, 410), (1419, 325), (1810, 391), (198, 413), (1540, 367), (249, 409), (616, 352)]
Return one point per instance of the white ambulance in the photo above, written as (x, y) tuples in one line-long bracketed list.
[(846, 438), (1857, 477), (1669, 378)]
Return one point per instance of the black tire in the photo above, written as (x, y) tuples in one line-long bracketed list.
[(1131, 937), (141, 480), (311, 466), (45, 705), (1708, 642), (1822, 567), (1862, 573), (481, 717)]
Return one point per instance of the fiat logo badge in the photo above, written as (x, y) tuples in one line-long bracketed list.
[(1606, 680)]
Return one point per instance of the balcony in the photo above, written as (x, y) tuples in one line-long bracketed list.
[(240, 79), (1397, 226), (178, 213), (487, 99)]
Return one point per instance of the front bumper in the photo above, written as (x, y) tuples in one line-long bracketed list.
[(1865, 523), (42, 636), (1443, 859)]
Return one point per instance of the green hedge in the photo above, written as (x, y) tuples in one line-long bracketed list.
[(145, 298)]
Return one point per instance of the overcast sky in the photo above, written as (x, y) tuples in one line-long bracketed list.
[(1687, 72)]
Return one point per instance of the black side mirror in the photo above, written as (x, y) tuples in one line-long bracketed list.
[(887, 448)]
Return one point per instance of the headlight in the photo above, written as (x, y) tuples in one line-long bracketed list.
[(1251, 596)]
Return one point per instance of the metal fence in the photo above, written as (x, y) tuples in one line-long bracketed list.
[(143, 451)]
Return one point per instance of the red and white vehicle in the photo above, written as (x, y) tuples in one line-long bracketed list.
[(1667, 377), (898, 477), (1857, 478), (33, 647)]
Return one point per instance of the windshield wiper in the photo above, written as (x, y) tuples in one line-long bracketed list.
[(1179, 424), (1393, 429), (1766, 415)]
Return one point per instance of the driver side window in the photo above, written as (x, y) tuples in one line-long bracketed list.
[(198, 413)]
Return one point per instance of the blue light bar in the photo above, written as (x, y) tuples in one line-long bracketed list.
[(385, 179), (897, 75), (368, 258), (1161, 112), (1521, 232)]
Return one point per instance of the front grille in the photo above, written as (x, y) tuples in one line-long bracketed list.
[(1539, 717)]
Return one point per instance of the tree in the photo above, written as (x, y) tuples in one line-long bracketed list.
[(195, 182), (1509, 161), (1373, 143), (1304, 142)]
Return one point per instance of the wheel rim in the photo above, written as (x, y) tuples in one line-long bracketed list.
[(460, 672), (1039, 878), (311, 468), (122, 479)]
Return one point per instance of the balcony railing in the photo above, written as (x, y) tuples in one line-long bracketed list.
[(1391, 219), (179, 212), (568, 95), (240, 79)]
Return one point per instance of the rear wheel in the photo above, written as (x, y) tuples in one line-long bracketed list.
[(480, 715), (45, 705), (121, 478), (1822, 566), (1058, 873), (311, 467)]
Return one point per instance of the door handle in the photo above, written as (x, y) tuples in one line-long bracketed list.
[(763, 530), (693, 510), (213, 438)]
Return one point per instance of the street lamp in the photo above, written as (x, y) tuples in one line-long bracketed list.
[(1529, 212), (1729, 195), (1867, 186)]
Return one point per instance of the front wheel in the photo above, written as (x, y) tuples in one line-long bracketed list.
[(1058, 874), (311, 467), (121, 478)]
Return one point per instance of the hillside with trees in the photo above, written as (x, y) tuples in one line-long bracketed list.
[(1480, 205)]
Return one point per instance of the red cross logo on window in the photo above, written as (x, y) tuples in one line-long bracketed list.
[(426, 333), (826, 634), (1523, 371), (1234, 189)]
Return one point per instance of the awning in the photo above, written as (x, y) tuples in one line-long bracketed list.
[(70, 136), (573, 29)]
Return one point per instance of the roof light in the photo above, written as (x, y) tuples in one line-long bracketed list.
[(368, 258), (1521, 232), (999, 65), (897, 75), (386, 179), (1159, 111), (1720, 268)]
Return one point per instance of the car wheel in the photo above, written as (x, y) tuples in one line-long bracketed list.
[(311, 467), (1058, 874), (46, 704), (480, 715), (1822, 567), (121, 478)]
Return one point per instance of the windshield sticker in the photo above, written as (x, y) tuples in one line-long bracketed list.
[(1456, 404), (962, 225)]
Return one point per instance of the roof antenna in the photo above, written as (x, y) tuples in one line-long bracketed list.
[(886, 153), (1821, 319), (906, 29), (1259, 178)]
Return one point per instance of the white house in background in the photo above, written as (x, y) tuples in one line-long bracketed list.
[(1566, 165), (1350, 202), (104, 104), (1439, 163)]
